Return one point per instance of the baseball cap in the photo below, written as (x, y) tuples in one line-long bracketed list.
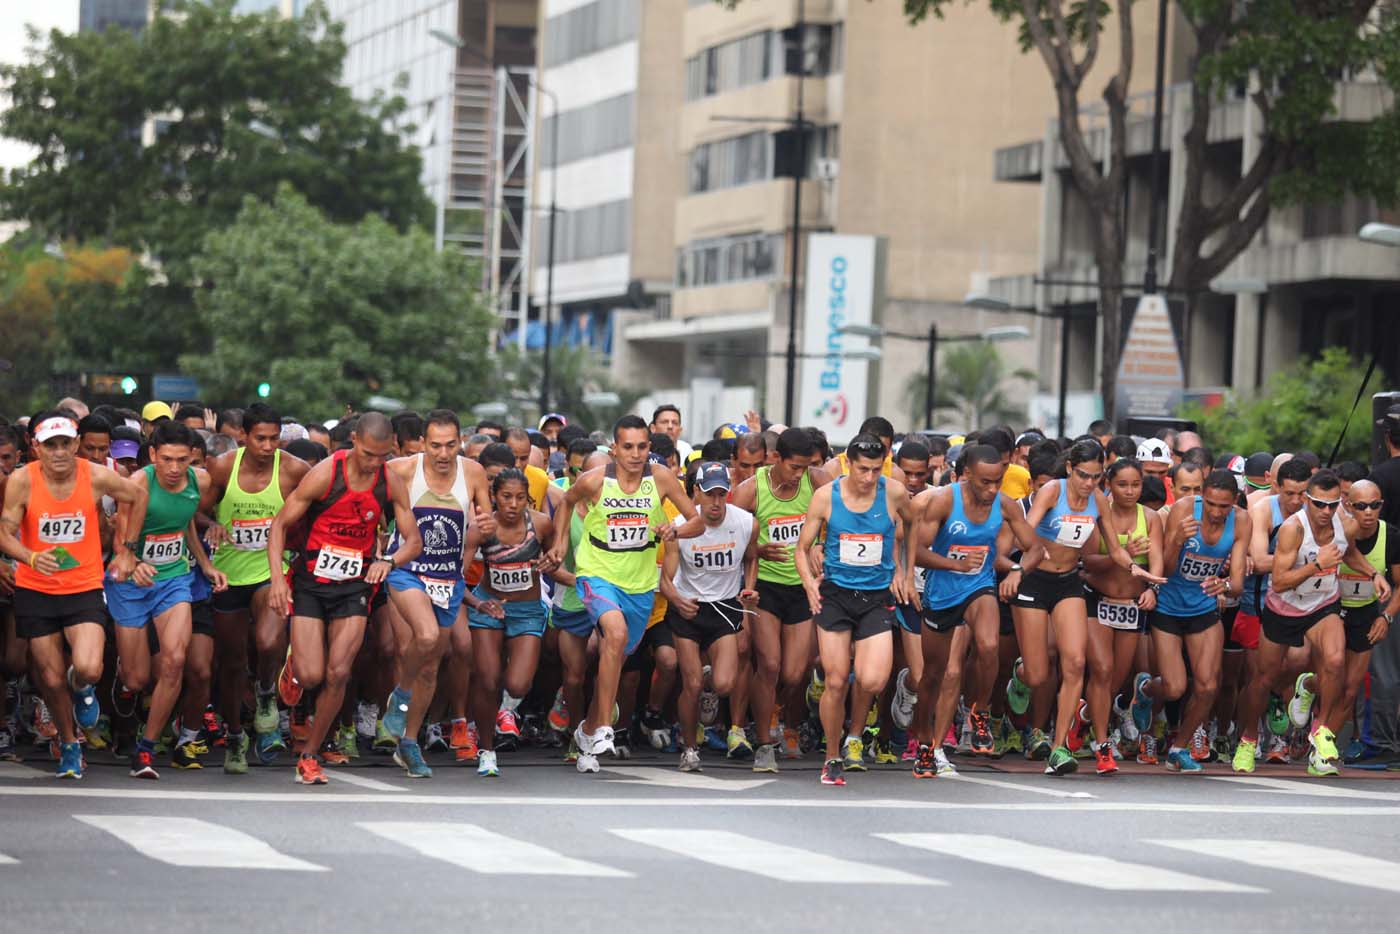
[(156, 410), (59, 426), (1029, 438), (712, 476), (1234, 463), (1391, 417), (1154, 451), (294, 432), (733, 430), (552, 417)]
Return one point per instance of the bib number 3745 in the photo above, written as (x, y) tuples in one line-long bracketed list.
[(338, 564)]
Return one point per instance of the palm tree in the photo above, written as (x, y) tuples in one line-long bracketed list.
[(969, 379)]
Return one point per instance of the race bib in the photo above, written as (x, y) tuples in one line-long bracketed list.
[(920, 577), (62, 530), (628, 533), (1119, 614), (1199, 568), (338, 564), (439, 591), (862, 551), (511, 578), (1074, 531), (1357, 587), (163, 549), (249, 534), (785, 530), (971, 552)]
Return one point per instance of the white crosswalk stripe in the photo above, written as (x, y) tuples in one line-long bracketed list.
[(187, 841), (7, 860), (482, 850), (743, 853), (1280, 855), (1099, 872)]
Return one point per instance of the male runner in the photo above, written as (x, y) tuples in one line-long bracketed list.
[(616, 561), (855, 600), (1365, 619), (750, 453), (778, 496), (345, 498), (158, 593), (444, 488), (49, 526), (247, 488), (1303, 607)]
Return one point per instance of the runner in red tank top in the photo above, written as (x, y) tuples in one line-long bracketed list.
[(345, 498)]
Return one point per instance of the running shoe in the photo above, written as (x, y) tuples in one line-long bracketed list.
[(184, 757), (712, 739), (586, 762), (622, 746), (1038, 746), (737, 744), (1127, 726), (236, 754), (507, 731), (435, 741), (365, 716), (331, 754), (309, 771), (1078, 727), (925, 765), (1200, 745), (265, 714), (1140, 708), (944, 766), (464, 747), (765, 758), (384, 741), (44, 727), (396, 712), (143, 765), (853, 754), (792, 745), (911, 750), (709, 700), (571, 754), (654, 727), (883, 754), (815, 689), (486, 766), (100, 736), (559, 713), (1246, 750), (1010, 736), (902, 704), (1147, 750), (1181, 760), (7, 746), (70, 761), (211, 729), (1323, 756), (85, 708), (950, 739), (594, 744), (982, 741), (1103, 759), (831, 773), (1220, 744), (1277, 715), (1300, 707), (1277, 752), (348, 741), (288, 687), (1062, 762), (690, 759), (1018, 694)]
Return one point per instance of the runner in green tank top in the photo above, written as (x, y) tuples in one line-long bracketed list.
[(159, 592), (1365, 620), (247, 488), (778, 496), (617, 572)]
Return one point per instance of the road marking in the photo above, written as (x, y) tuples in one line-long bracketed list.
[(1098, 872), (1053, 792), (481, 850), (690, 781), (352, 779), (785, 863), (837, 801), (7, 860), (187, 841), (1319, 861), (1313, 787), (16, 770)]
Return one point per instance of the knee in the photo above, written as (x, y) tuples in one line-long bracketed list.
[(573, 679), (1173, 686), (691, 682), (1034, 674), (337, 674), (198, 672), (267, 639), (425, 645), (311, 678), (51, 677), (614, 638), (768, 668), (872, 684), (1071, 669), (988, 648), (724, 685), (1100, 672), (87, 671)]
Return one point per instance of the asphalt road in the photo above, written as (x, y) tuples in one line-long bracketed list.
[(640, 847)]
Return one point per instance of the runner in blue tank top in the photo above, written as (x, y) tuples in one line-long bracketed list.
[(863, 579), (956, 533), (1069, 516), (1206, 539)]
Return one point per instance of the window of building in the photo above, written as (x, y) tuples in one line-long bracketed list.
[(726, 163), (599, 230), (588, 29), (588, 131), (755, 58), (728, 259)]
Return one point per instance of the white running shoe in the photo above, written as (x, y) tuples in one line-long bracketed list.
[(690, 759), (365, 717), (486, 764), (941, 763), (586, 762), (434, 739), (902, 705)]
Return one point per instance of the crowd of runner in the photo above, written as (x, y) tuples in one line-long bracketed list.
[(179, 586)]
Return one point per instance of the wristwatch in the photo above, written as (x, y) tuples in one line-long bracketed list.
[(1014, 567)]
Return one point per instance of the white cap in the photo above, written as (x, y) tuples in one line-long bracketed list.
[(293, 432), (1154, 451), (58, 426)]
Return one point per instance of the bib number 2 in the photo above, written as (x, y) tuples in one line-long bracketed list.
[(861, 551)]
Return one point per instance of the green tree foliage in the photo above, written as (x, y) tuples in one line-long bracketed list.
[(1303, 408), (578, 378), (330, 314), (969, 390)]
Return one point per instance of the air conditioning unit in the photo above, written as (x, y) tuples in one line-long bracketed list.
[(826, 169)]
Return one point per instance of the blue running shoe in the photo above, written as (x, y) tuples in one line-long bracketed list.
[(70, 761), (410, 758), (715, 739), (85, 709), (396, 713), (1179, 760), (269, 745), (1141, 706)]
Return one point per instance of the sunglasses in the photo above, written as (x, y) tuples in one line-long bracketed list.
[(868, 449), (1363, 507), (1325, 503), (1092, 477)]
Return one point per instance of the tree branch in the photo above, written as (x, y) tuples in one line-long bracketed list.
[(1237, 237), (1091, 44)]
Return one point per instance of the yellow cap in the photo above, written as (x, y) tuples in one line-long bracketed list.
[(956, 439), (155, 410)]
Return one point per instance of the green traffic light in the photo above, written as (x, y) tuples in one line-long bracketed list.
[(264, 390), (128, 385)]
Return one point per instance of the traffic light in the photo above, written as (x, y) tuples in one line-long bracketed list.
[(264, 390), (129, 385)]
